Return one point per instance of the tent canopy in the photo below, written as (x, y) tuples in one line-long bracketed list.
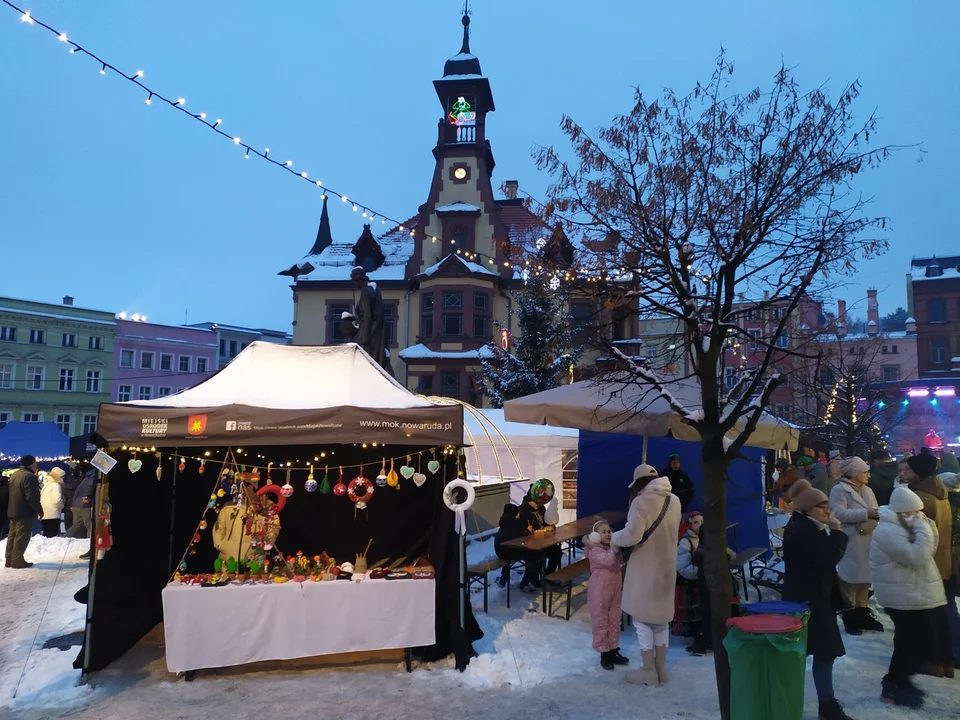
[(45, 441), (287, 395), (634, 409)]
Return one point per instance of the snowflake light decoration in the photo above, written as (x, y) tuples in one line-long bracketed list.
[(555, 283), (541, 243)]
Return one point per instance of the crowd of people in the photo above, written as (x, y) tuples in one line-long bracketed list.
[(888, 529), (61, 504)]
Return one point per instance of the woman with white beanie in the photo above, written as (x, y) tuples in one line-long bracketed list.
[(51, 500), (853, 503), (907, 583), (649, 585)]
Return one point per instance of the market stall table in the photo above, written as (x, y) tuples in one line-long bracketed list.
[(563, 533), (211, 627)]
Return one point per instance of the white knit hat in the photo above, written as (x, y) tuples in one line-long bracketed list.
[(853, 466), (903, 499), (644, 471), (951, 480)]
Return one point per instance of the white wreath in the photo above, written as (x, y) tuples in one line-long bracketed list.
[(459, 508)]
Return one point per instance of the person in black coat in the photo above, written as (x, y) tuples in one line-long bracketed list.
[(534, 514), (680, 482), (511, 528), (810, 556)]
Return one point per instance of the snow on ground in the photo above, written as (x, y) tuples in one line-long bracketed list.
[(529, 665)]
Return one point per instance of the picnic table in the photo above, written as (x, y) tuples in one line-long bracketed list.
[(562, 534)]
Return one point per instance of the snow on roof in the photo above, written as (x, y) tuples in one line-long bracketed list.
[(422, 352), (946, 273), (458, 207), (337, 261), (295, 377), (910, 320), (464, 76), (471, 266), (462, 56)]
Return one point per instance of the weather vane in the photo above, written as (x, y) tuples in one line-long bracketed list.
[(466, 7)]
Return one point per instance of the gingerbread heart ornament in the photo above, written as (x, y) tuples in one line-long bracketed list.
[(407, 472), (433, 466), (419, 479), (134, 465)]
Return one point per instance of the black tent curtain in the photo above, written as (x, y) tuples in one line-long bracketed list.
[(153, 521)]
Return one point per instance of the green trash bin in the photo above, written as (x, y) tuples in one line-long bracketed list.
[(768, 659)]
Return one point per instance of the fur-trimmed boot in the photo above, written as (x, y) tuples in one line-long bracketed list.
[(646, 675)]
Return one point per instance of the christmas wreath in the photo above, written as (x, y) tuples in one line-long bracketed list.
[(360, 482)]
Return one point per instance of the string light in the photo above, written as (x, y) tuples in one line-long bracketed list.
[(179, 104)]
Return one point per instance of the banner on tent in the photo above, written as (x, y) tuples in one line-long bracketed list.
[(241, 424)]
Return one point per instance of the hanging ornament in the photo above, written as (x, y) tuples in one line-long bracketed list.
[(159, 466), (393, 480), (134, 465), (418, 477), (310, 485), (340, 489), (434, 465), (287, 488), (360, 492), (407, 470), (269, 478), (382, 477), (203, 466), (183, 465), (325, 483), (203, 524)]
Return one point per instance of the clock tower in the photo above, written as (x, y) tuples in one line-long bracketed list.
[(460, 211)]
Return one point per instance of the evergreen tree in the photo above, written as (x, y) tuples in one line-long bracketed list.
[(542, 356)]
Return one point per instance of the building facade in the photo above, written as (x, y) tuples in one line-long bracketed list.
[(230, 340), (152, 360), (933, 301), (55, 362), (445, 274)]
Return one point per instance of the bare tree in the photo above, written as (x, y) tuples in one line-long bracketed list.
[(688, 204), (840, 397)]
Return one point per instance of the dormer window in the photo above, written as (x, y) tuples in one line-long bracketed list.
[(459, 239)]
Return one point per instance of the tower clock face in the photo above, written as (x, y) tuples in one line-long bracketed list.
[(460, 173)]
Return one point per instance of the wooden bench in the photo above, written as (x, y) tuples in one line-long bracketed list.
[(478, 574), (562, 580), (768, 577), (743, 560)]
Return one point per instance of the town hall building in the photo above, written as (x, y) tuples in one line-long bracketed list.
[(446, 273)]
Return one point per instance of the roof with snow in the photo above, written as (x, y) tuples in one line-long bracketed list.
[(463, 207), (422, 352), (935, 268), (453, 257)]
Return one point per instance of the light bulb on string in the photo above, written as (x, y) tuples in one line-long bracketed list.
[(202, 116), (25, 18), (103, 69), (236, 141), (217, 121), (289, 163), (181, 101), (343, 198), (139, 73), (247, 154), (303, 175), (318, 183), (149, 99), (62, 37)]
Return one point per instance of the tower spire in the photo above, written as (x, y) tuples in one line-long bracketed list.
[(465, 48), (324, 236)]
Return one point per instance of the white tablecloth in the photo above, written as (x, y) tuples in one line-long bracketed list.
[(237, 624)]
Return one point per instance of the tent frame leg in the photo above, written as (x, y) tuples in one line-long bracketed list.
[(644, 457)]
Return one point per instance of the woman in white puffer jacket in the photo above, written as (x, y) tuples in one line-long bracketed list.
[(907, 583)]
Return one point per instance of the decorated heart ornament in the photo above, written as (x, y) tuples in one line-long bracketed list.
[(407, 472), (419, 479), (433, 466), (134, 465)]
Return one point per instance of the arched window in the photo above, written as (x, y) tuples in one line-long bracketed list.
[(459, 239)]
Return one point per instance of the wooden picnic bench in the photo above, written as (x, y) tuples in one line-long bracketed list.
[(562, 580), (478, 574), (739, 564)]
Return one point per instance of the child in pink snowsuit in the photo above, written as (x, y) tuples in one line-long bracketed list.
[(603, 595)]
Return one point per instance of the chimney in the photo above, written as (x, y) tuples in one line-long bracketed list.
[(510, 189), (841, 318), (873, 313), (911, 326), (67, 300)]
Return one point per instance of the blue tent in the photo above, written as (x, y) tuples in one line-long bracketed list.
[(45, 441), (605, 470)]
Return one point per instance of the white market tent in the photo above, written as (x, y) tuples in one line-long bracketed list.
[(287, 395), (635, 409)]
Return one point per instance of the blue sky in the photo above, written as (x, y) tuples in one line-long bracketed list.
[(132, 207)]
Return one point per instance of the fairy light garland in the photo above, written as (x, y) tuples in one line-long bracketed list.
[(214, 123)]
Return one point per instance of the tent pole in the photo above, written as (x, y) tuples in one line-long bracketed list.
[(463, 589), (91, 584), (644, 460), (173, 509)]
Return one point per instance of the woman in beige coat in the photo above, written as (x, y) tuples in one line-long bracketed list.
[(853, 503), (648, 589)]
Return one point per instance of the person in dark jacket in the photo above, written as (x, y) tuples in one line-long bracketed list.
[(4, 501), (680, 482), (511, 528), (533, 514), (815, 472), (23, 509), (810, 556), (883, 475), (83, 505)]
